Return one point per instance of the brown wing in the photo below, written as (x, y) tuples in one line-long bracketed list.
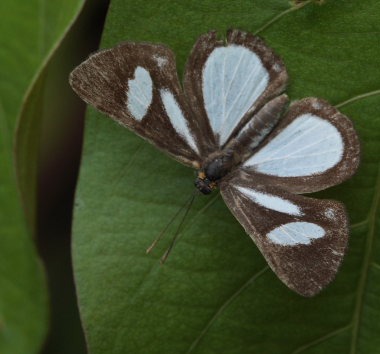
[(303, 239), (136, 84), (226, 82), (313, 147)]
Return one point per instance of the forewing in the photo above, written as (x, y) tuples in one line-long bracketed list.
[(303, 239), (226, 82), (314, 147), (136, 84)]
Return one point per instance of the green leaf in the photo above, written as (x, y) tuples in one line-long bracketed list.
[(29, 32), (216, 294)]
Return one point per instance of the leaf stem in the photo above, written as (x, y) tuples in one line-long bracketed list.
[(295, 5)]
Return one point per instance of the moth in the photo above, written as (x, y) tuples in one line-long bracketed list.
[(231, 122)]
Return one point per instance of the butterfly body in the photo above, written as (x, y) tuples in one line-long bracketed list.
[(221, 163), (231, 123)]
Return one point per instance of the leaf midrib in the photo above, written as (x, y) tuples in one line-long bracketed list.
[(356, 319)]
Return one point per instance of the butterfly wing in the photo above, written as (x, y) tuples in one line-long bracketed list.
[(313, 147), (136, 84), (303, 239), (227, 82)]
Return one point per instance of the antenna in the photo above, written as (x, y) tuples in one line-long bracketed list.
[(177, 233), (189, 202)]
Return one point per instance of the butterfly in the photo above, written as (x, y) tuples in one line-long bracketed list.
[(231, 122)]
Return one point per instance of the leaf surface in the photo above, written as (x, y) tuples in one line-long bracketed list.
[(216, 294)]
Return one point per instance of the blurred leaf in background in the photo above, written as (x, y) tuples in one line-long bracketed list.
[(56, 154), (30, 35), (215, 294), (27, 36)]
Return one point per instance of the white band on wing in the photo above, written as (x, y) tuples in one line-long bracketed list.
[(307, 146), (295, 233), (271, 201), (176, 118)]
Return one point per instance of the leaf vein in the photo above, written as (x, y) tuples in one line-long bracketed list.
[(375, 265), (321, 339), (359, 224), (224, 306), (358, 97)]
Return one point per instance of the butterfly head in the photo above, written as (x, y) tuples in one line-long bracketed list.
[(204, 184)]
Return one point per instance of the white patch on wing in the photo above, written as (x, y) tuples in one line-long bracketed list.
[(160, 61), (176, 117), (233, 78), (270, 201), (330, 213), (307, 146), (140, 93), (295, 233)]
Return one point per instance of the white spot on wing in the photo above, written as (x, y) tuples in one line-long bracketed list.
[(140, 92), (160, 61), (309, 145), (233, 79), (271, 201), (276, 67), (336, 253), (330, 213), (295, 233), (176, 118)]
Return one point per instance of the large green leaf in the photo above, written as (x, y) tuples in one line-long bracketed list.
[(216, 294), (29, 33)]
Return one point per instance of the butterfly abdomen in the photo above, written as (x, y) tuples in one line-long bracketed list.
[(258, 128)]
